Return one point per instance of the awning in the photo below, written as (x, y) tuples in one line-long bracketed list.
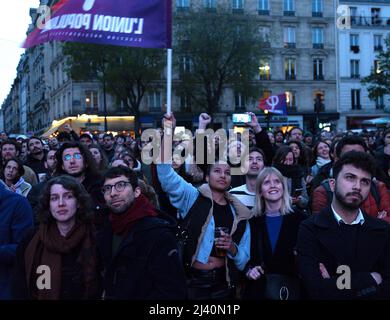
[(377, 121), (60, 127)]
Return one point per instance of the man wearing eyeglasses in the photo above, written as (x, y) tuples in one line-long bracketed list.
[(137, 243)]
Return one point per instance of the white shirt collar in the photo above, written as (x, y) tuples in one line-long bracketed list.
[(359, 218)]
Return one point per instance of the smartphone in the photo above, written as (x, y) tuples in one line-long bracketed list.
[(241, 118)]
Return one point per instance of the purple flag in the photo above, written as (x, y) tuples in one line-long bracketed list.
[(134, 23), (274, 104)]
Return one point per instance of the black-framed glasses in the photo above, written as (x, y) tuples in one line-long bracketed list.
[(76, 156), (119, 186)]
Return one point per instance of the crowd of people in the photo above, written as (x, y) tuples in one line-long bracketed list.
[(84, 217)]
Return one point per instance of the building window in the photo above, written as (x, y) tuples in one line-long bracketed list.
[(355, 99), (182, 5), (185, 102), (289, 69), (264, 7), (289, 37), (317, 8), (290, 100), (354, 43), (378, 42), (379, 102), (210, 4), (264, 69), (91, 101), (289, 7), (318, 69), (185, 65), (155, 102), (238, 6), (375, 16), (239, 100), (355, 72), (318, 38), (319, 98), (264, 34), (354, 17)]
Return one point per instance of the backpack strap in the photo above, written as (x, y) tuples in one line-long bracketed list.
[(375, 193), (329, 193)]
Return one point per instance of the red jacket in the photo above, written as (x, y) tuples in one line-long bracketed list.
[(369, 206)]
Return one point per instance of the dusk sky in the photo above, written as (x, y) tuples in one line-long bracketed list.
[(13, 26)]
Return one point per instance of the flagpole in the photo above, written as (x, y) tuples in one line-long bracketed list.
[(169, 81)]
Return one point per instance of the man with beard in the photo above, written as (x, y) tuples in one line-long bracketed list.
[(36, 157), (344, 253), (377, 203), (138, 245), (247, 192)]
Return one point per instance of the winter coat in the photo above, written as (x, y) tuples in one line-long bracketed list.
[(146, 265), (15, 219)]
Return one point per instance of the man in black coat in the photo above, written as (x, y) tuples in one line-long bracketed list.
[(138, 246), (344, 253)]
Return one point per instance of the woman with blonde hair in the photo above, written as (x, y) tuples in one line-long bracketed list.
[(274, 227)]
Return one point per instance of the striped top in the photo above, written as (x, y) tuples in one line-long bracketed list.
[(246, 197)]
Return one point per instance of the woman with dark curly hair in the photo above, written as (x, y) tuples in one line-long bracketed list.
[(64, 244)]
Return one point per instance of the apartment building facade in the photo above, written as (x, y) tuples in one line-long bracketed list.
[(358, 46)]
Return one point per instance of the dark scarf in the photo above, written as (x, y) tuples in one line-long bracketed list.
[(141, 207), (294, 172), (46, 248)]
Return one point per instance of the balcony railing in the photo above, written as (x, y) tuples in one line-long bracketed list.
[(265, 77), (182, 9), (355, 76), (318, 77), (238, 11), (318, 46), (317, 14), (366, 21), (378, 48), (291, 77), (155, 109), (290, 45), (289, 13), (263, 12)]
